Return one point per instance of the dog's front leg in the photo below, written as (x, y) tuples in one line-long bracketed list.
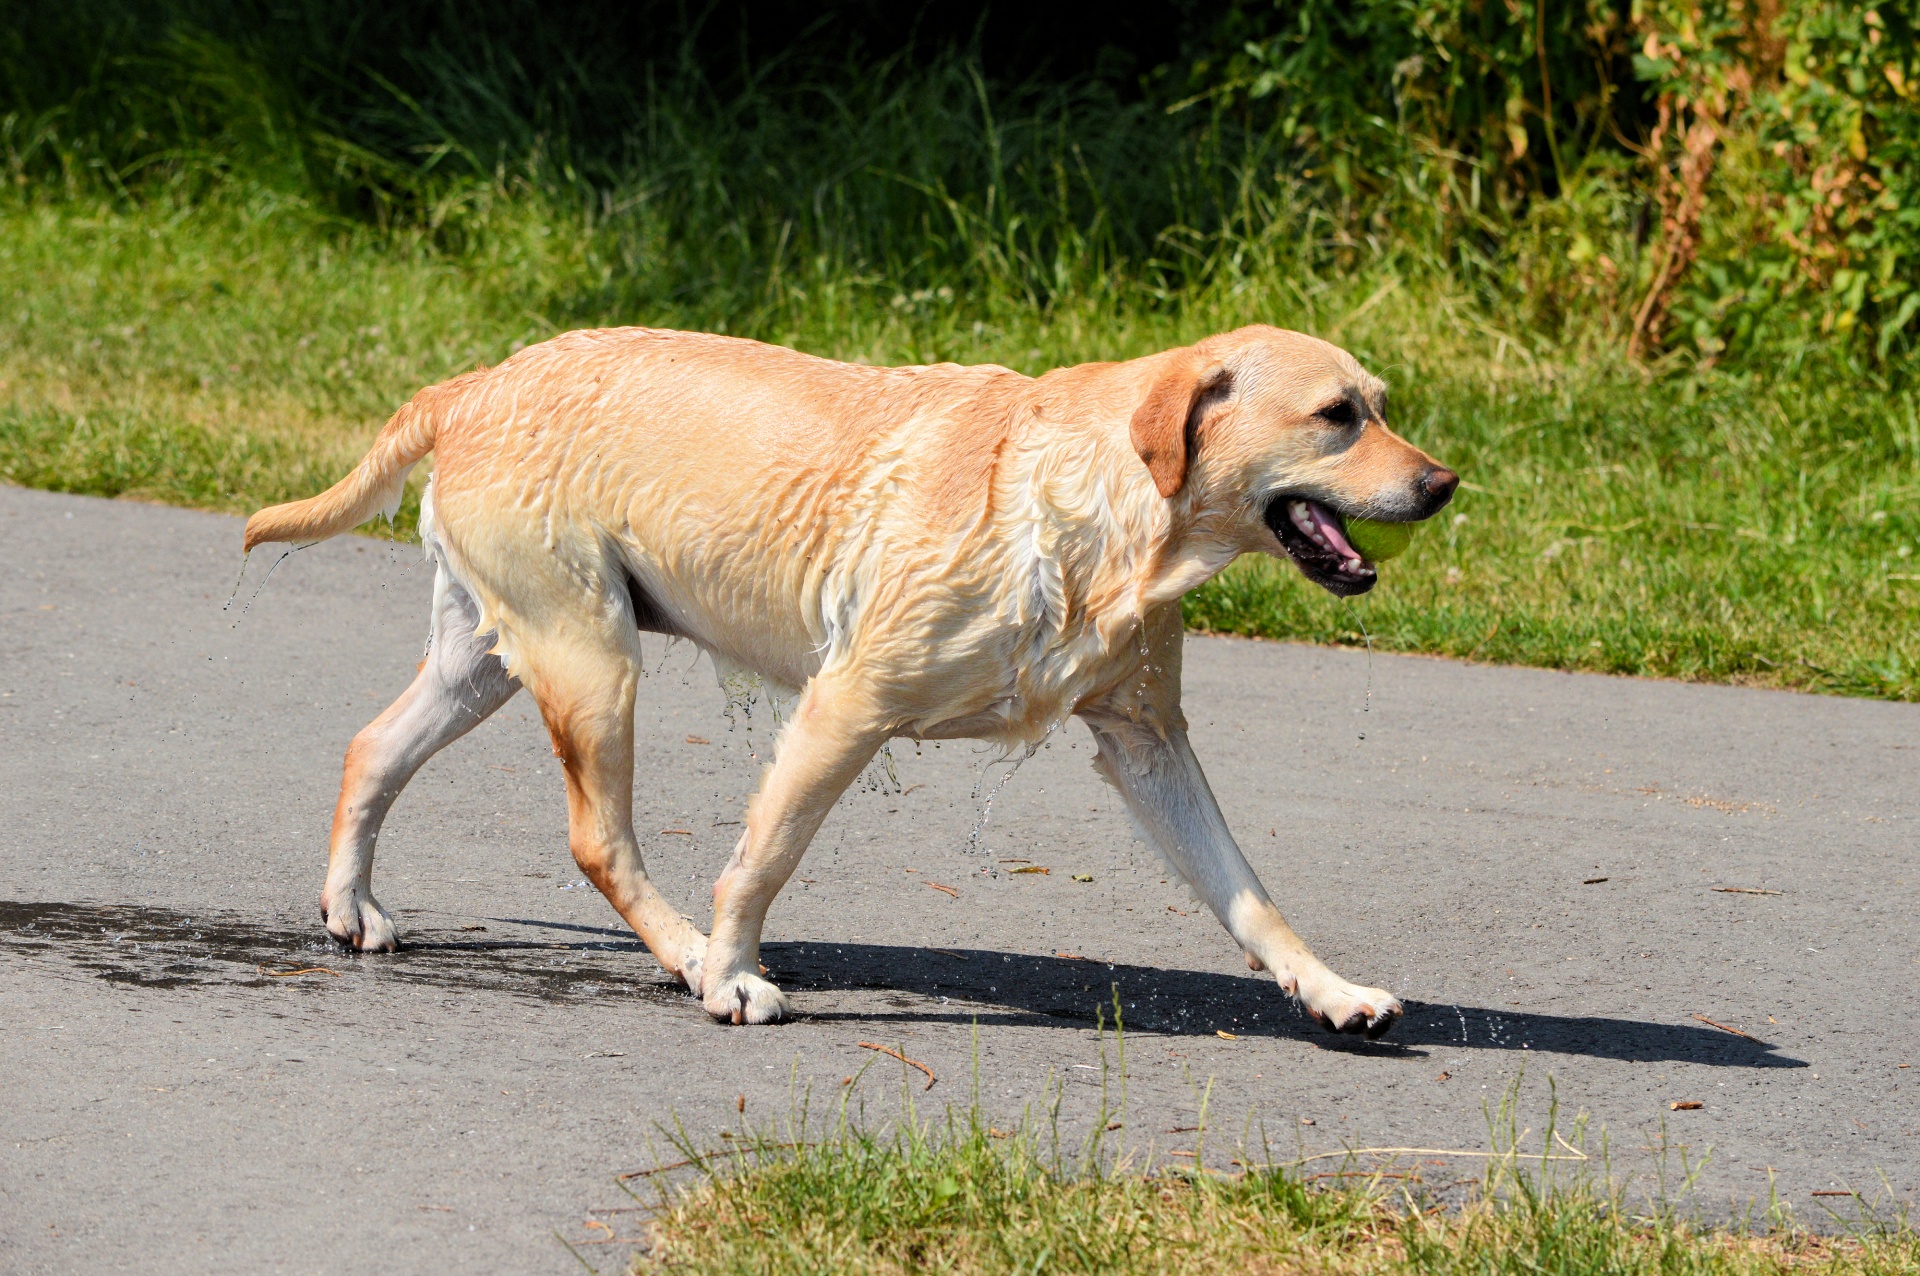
[(1158, 775), (831, 736)]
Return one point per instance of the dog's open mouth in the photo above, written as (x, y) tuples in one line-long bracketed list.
[(1315, 538)]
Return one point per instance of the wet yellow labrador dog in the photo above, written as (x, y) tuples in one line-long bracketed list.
[(929, 552)]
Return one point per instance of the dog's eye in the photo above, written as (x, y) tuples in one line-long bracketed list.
[(1340, 413)]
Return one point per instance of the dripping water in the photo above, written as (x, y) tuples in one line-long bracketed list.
[(245, 559), (986, 809), (881, 775), (741, 690), (974, 838), (661, 664), (1366, 704), (285, 555), (1146, 661)]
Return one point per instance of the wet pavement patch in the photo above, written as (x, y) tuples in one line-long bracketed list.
[(157, 948)]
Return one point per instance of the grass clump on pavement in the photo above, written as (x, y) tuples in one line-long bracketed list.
[(974, 1200)]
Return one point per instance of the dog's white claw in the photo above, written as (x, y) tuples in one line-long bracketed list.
[(745, 999), (356, 920)]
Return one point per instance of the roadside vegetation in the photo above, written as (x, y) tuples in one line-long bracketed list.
[(962, 1196), (1648, 276)]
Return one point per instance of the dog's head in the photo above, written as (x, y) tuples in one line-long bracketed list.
[(1274, 439)]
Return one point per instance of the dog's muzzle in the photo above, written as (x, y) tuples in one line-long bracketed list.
[(1316, 540), (1314, 535)]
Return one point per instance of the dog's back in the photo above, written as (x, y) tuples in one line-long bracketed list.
[(726, 478)]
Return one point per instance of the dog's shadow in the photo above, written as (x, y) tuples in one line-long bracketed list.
[(992, 987), (968, 984), (138, 945)]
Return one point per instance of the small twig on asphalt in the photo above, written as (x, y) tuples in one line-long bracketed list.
[(671, 1165), (1836, 1193), (911, 1063), (304, 970), (1575, 1154), (1722, 1027), (699, 1160), (1361, 1174), (1744, 890), (948, 889)]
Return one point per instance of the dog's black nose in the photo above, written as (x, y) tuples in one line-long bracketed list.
[(1438, 486)]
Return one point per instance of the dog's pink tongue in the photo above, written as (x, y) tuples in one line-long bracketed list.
[(1329, 529)]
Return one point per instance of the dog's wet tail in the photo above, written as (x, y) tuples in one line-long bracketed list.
[(375, 486)]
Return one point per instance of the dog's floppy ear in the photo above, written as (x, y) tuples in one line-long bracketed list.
[(1164, 425)]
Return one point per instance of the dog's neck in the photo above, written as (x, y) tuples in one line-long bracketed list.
[(1123, 551)]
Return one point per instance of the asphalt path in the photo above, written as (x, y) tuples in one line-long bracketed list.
[(1643, 893)]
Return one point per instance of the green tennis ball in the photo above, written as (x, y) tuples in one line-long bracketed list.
[(1377, 542)]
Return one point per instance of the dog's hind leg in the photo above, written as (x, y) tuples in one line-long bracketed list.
[(458, 686), (584, 677), (831, 736)]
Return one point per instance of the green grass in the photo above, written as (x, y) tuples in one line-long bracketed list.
[(963, 1197), (1713, 525)]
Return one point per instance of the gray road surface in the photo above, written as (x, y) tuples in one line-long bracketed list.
[(1540, 864)]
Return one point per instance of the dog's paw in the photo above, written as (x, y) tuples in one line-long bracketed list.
[(358, 922), (1345, 1007), (745, 999)]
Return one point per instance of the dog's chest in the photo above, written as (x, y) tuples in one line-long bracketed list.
[(1017, 689)]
